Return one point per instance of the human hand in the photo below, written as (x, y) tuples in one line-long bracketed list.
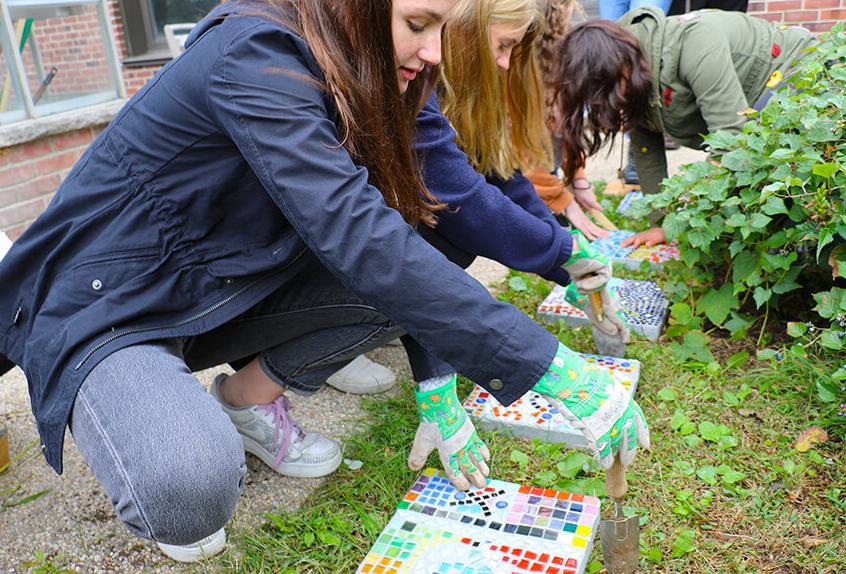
[(589, 269), (584, 195), (580, 221), (597, 405), (611, 320), (650, 237), (444, 425)]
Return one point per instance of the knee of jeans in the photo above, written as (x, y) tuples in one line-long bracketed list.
[(195, 493)]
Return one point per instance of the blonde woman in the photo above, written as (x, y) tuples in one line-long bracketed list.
[(491, 94), (485, 125)]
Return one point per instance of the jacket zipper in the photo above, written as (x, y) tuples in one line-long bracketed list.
[(226, 300)]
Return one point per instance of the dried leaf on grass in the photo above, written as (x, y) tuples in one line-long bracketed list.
[(810, 437), (812, 541)]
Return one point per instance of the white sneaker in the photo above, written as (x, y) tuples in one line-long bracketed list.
[(363, 377), (269, 433), (208, 546)]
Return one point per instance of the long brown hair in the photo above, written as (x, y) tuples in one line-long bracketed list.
[(602, 86), (353, 45)]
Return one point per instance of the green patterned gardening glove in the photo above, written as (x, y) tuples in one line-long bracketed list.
[(597, 405), (589, 269), (444, 425), (611, 320)]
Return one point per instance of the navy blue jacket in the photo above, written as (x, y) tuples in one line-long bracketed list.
[(203, 196), (503, 220)]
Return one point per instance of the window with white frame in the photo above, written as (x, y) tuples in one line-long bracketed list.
[(58, 55), (144, 22)]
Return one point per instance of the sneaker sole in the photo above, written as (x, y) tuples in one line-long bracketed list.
[(295, 470), (371, 389), (211, 546)]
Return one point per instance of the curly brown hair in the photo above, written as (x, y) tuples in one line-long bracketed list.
[(602, 85)]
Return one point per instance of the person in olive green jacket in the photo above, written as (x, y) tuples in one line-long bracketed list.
[(683, 76)]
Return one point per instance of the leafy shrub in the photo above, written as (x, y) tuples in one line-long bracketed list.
[(763, 228)]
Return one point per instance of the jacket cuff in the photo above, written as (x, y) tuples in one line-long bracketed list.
[(522, 360)]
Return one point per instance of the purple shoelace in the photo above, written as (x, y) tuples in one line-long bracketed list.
[(282, 424)]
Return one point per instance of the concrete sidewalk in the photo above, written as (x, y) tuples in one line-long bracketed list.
[(74, 524)]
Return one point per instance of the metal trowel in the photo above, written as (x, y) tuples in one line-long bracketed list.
[(606, 345), (620, 535)]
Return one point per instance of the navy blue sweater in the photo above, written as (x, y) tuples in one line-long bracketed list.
[(503, 220)]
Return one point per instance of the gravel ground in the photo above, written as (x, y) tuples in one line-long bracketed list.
[(73, 523)]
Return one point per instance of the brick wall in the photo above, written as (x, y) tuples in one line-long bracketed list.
[(816, 15), (30, 173)]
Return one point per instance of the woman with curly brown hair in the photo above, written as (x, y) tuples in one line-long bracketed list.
[(649, 74)]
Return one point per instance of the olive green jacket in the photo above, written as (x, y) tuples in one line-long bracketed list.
[(707, 66)]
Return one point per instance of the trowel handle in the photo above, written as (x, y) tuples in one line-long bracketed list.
[(595, 299), (615, 480)]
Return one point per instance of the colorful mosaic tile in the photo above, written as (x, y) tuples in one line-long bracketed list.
[(631, 198), (644, 306), (632, 258), (503, 528), (531, 416)]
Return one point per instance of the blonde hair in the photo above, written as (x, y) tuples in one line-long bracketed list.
[(498, 116)]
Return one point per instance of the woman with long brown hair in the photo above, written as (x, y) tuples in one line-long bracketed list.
[(683, 76), (255, 204)]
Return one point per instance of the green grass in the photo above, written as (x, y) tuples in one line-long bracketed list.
[(724, 488)]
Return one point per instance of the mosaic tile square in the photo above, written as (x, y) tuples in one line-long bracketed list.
[(644, 306), (632, 258), (531, 416), (630, 199), (508, 533)]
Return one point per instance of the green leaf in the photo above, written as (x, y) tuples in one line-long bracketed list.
[(678, 419), (745, 265), (711, 432), (826, 237), (761, 296), (691, 440), (572, 465), (774, 205), (759, 220), (766, 355), (733, 476), (825, 170), (681, 313), (737, 360), (684, 467), (328, 537), (795, 329), (708, 474), (716, 304), (829, 302), (825, 395), (683, 544), (520, 457), (830, 340), (308, 538), (546, 478), (517, 283), (668, 394)]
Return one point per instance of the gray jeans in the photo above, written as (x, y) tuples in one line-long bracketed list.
[(166, 454)]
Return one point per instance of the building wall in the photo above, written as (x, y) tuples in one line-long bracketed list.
[(816, 15), (31, 172)]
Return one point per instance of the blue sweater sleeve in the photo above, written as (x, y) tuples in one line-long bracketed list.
[(506, 223)]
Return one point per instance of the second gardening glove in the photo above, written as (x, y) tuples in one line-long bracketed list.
[(595, 404), (444, 425), (611, 323), (589, 269)]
